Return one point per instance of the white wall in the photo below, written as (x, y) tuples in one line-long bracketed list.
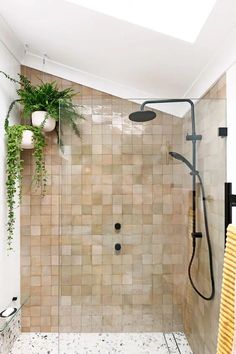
[(231, 123), (9, 264)]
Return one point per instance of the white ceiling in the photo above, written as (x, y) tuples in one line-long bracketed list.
[(145, 61)]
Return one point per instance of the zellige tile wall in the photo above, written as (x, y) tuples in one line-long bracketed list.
[(118, 171)]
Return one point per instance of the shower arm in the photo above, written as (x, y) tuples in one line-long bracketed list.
[(193, 138)]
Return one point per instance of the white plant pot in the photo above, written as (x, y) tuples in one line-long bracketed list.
[(27, 139), (41, 118)]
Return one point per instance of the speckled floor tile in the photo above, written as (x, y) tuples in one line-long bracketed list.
[(182, 343), (36, 343), (98, 343), (171, 343)]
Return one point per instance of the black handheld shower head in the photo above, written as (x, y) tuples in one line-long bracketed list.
[(142, 116), (181, 158)]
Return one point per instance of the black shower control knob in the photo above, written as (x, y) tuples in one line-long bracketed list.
[(117, 246), (117, 226)]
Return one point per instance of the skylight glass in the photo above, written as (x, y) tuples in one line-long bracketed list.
[(182, 19)]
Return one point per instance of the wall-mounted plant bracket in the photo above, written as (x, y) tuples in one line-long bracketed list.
[(230, 202)]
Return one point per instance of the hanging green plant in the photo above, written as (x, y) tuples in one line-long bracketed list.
[(48, 100), (14, 168), (42, 104)]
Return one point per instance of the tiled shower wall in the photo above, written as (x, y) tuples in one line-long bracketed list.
[(120, 172), (201, 317), (117, 172)]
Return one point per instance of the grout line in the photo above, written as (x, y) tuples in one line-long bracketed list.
[(176, 343), (166, 343)]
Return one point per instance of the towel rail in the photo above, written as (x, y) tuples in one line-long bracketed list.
[(230, 202)]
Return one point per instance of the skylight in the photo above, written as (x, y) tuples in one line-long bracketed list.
[(182, 19)]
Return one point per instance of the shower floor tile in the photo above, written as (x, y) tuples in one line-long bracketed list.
[(101, 343)]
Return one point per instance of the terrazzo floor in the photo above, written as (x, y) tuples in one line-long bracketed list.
[(103, 343)]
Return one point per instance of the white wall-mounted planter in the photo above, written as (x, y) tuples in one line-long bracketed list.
[(27, 139), (42, 119)]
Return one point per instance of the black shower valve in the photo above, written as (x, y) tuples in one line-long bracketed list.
[(117, 226), (117, 247)]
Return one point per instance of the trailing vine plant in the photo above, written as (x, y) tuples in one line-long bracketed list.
[(14, 168), (59, 106), (46, 97)]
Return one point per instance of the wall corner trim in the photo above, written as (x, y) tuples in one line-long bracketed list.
[(11, 42)]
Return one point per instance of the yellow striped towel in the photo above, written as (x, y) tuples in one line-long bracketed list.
[(226, 334)]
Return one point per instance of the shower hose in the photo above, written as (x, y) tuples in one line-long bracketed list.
[(211, 296)]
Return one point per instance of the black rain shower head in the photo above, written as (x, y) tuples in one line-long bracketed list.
[(142, 116), (180, 157)]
